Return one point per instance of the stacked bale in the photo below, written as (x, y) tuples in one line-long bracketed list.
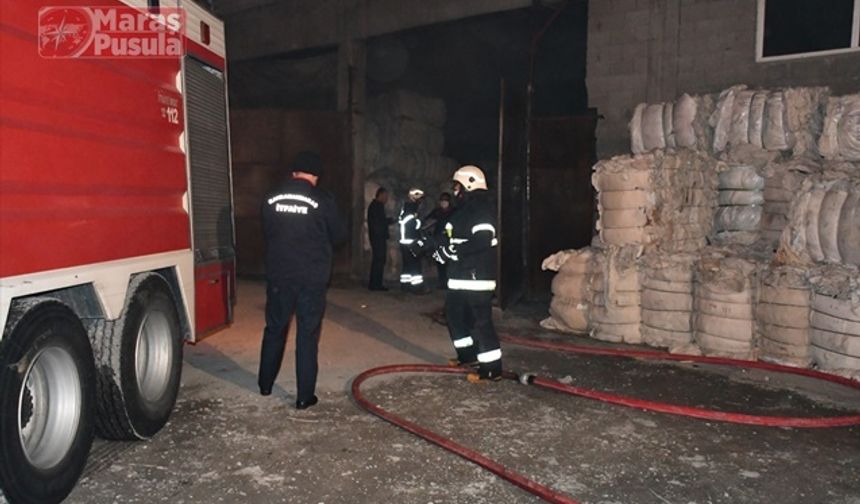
[(571, 290), (824, 222), (661, 200), (667, 300), (725, 295), (678, 124), (781, 120), (782, 314), (840, 139), (835, 319), (783, 182), (741, 200), (617, 293)]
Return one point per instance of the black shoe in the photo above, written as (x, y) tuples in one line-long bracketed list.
[(265, 391), (300, 405)]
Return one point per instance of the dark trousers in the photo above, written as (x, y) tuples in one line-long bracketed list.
[(442, 273), (378, 250), (307, 302), (470, 325), (410, 273)]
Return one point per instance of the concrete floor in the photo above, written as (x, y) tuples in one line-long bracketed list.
[(225, 443)]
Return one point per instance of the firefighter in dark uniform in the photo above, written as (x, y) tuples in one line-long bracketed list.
[(301, 225), (411, 275), (470, 253)]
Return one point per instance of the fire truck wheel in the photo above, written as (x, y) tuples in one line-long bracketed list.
[(47, 405), (139, 358)]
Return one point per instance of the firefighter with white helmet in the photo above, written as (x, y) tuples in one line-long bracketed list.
[(470, 253), (411, 276)]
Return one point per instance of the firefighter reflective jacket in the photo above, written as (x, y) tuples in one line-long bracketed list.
[(410, 224), (471, 249)]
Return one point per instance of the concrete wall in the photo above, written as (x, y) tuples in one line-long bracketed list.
[(654, 50)]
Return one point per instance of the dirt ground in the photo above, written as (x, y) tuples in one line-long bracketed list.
[(225, 443)]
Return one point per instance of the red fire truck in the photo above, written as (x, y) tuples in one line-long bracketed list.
[(116, 237)]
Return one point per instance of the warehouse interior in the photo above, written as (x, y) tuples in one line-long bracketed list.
[(677, 186)]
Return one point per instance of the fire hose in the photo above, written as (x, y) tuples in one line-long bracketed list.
[(551, 495)]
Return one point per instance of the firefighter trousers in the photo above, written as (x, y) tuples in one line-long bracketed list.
[(283, 300), (411, 275), (470, 324)]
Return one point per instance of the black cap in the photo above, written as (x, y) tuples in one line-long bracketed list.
[(307, 162)]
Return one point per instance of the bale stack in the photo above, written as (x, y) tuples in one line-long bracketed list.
[(835, 319), (678, 124), (840, 138), (617, 293), (824, 222), (782, 314), (725, 295), (571, 290), (783, 182), (741, 201), (659, 200), (667, 300)]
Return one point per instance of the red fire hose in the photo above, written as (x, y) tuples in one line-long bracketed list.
[(550, 495)]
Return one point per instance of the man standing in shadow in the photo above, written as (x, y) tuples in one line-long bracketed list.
[(377, 230)]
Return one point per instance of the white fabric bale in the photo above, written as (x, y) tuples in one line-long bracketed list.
[(740, 128), (622, 200), (833, 324), (848, 236), (845, 344), (846, 309), (615, 315), (736, 237), (657, 285), (740, 177), (668, 125), (841, 136), (756, 121), (652, 127), (776, 134), (617, 333), (683, 116), (637, 146), (829, 220), (738, 218), (785, 285), (619, 299), (721, 119), (732, 198), (835, 362), (804, 115), (813, 210)]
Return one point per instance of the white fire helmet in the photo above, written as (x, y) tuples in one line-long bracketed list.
[(416, 194), (470, 177)]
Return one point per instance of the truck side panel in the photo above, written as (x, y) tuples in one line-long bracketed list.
[(92, 165)]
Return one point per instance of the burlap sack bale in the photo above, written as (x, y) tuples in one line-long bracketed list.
[(835, 319), (615, 312), (571, 301), (721, 118), (782, 316), (667, 299), (725, 295)]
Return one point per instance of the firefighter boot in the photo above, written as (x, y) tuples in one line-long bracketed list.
[(485, 374)]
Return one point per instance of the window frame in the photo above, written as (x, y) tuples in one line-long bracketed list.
[(759, 51)]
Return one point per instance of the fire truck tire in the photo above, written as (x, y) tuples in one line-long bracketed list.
[(139, 361), (47, 406)]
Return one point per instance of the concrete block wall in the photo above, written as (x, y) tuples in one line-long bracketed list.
[(654, 50)]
